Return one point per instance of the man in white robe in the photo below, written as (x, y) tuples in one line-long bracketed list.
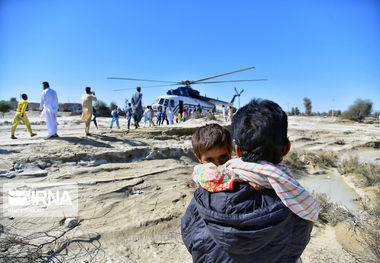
[(49, 108), (230, 114), (146, 116), (224, 111), (170, 116)]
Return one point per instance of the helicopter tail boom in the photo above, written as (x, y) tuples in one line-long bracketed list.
[(233, 99)]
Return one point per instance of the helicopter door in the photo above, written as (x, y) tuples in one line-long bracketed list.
[(172, 104), (181, 106)]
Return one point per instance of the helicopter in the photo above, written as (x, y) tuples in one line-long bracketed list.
[(185, 98)]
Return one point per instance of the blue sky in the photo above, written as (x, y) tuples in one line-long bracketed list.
[(328, 51)]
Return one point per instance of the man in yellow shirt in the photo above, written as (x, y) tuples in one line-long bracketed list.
[(21, 116)]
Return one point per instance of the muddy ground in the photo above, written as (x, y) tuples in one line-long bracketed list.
[(134, 185)]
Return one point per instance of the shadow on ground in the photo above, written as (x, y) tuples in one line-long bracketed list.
[(7, 152), (84, 141)]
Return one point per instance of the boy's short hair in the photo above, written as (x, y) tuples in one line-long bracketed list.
[(88, 89), (24, 96), (260, 131), (210, 136)]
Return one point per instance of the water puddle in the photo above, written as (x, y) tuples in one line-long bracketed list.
[(332, 185)]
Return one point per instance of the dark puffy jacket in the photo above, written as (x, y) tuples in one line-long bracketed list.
[(243, 225)]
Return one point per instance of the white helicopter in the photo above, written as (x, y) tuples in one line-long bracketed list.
[(186, 98)]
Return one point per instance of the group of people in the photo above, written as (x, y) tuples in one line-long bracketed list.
[(134, 110), (164, 115), (48, 107)]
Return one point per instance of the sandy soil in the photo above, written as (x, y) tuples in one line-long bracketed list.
[(134, 186)]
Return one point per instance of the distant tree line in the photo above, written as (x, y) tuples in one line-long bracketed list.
[(4, 107), (356, 112), (102, 109)]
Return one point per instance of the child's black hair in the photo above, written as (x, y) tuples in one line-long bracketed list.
[(260, 130), (24, 96)]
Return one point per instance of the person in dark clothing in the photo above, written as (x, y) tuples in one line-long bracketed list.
[(164, 117), (137, 106), (159, 116), (93, 117), (129, 114), (245, 224)]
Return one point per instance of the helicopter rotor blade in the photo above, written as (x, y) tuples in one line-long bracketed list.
[(143, 80), (147, 87), (225, 74), (224, 81)]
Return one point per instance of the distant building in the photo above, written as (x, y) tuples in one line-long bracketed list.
[(70, 107), (33, 106), (67, 107), (13, 102)]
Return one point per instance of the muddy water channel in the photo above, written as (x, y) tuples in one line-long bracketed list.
[(334, 186)]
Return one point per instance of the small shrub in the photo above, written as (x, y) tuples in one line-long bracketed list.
[(296, 161), (372, 237), (367, 174), (371, 228), (372, 208), (321, 159), (348, 165), (330, 212), (293, 161)]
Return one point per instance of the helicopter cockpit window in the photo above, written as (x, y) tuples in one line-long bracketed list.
[(172, 104), (166, 103), (161, 101)]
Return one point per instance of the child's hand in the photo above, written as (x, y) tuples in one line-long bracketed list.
[(256, 186)]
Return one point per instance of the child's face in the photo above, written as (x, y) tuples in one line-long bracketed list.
[(216, 155)]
